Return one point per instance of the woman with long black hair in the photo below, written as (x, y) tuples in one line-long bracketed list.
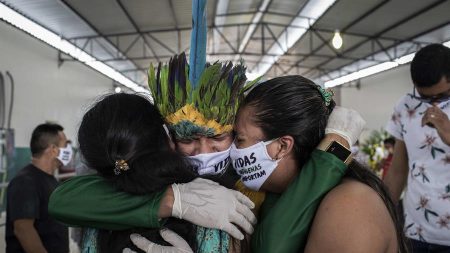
[(124, 138), (330, 208), (281, 122)]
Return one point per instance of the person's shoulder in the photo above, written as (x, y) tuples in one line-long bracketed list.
[(354, 189), (24, 176), (83, 181), (352, 216), (352, 201), (24, 182), (405, 99)]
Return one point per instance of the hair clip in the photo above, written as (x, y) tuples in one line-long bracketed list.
[(327, 95), (121, 165)]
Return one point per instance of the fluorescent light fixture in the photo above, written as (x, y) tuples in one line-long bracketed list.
[(337, 40), (18, 20), (405, 59), (447, 44), (373, 69), (313, 10), (361, 73), (117, 89)]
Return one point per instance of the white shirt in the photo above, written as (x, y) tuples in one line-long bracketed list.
[(427, 195)]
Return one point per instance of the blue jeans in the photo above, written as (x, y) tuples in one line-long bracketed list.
[(424, 247)]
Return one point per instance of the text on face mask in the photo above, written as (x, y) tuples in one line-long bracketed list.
[(221, 165), (245, 161), (254, 176)]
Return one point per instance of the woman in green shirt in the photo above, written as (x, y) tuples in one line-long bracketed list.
[(277, 127), (278, 124)]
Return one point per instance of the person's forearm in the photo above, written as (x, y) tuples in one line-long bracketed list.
[(445, 136), (90, 201), (166, 204), (395, 181), (335, 137), (397, 174), (30, 240)]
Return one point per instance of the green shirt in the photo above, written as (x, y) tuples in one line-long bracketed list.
[(285, 219), (284, 223), (90, 201)]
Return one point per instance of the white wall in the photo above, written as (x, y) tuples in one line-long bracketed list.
[(42, 90), (377, 96)]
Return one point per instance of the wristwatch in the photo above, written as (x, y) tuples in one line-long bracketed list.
[(338, 150)]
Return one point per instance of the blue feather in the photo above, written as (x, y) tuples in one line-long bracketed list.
[(197, 56)]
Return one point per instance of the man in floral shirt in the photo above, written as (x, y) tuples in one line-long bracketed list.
[(421, 159)]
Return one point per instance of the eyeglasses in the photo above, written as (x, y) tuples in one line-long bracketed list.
[(433, 99)]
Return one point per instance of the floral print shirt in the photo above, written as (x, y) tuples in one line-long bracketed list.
[(427, 196)]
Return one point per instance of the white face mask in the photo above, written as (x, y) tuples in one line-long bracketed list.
[(253, 164), (65, 155), (212, 163)]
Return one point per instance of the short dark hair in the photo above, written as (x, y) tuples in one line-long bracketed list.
[(430, 64), (390, 140), (43, 136)]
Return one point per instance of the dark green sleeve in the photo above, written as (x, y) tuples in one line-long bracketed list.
[(285, 225), (90, 201)]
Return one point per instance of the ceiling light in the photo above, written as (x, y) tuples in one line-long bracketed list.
[(118, 89), (360, 74), (18, 20), (447, 44), (337, 40)]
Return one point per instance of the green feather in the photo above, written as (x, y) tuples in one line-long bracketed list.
[(220, 89)]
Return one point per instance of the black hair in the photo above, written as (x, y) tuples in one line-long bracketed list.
[(43, 136), (290, 105), (128, 127), (389, 140), (295, 106), (430, 64)]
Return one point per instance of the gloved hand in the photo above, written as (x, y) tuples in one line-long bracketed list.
[(345, 122), (179, 245), (208, 204)]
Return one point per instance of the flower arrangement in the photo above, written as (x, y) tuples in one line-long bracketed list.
[(373, 147)]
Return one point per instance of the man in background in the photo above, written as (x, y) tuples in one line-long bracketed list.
[(421, 158), (29, 227)]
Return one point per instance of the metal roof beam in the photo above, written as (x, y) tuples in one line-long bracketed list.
[(135, 26), (417, 45), (396, 24), (354, 22)]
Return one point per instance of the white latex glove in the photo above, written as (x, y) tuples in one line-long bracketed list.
[(345, 122), (208, 204), (179, 245)]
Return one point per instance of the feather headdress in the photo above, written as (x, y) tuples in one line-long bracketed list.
[(208, 108)]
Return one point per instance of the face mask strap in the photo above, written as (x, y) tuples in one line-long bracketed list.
[(167, 131), (266, 143), (271, 141)]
